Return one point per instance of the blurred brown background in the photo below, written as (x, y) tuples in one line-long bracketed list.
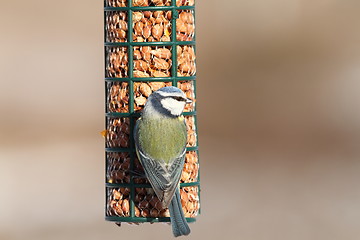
[(278, 95)]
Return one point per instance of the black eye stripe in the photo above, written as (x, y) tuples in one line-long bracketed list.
[(179, 98)]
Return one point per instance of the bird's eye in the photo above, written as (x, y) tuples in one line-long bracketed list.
[(180, 99)]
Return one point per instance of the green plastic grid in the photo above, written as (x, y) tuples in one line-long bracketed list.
[(131, 114)]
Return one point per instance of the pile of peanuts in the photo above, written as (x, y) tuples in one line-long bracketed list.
[(118, 94), (116, 26), (116, 3), (151, 26), (117, 62), (185, 2), (190, 171), (185, 26), (118, 165), (152, 62), (118, 203), (147, 204), (118, 133), (118, 97), (145, 3), (186, 61), (191, 131)]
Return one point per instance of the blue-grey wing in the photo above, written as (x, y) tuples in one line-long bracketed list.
[(164, 178), (175, 171)]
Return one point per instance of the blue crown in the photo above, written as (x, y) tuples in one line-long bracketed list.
[(170, 89)]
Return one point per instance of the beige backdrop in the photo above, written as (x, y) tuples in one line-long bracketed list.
[(278, 95)]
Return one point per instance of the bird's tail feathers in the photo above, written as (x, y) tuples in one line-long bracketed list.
[(178, 221)]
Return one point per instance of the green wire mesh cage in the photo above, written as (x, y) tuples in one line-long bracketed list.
[(149, 44)]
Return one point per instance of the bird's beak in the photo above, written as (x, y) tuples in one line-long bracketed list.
[(188, 100)]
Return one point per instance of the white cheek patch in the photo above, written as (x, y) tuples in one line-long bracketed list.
[(175, 107)]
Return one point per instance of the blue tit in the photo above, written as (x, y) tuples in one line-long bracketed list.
[(160, 140)]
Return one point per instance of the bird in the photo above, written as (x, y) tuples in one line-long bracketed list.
[(160, 141)]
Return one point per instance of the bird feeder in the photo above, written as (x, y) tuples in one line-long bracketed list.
[(149, 44)]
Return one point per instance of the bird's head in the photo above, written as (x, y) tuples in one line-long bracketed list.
[(167, 102)]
